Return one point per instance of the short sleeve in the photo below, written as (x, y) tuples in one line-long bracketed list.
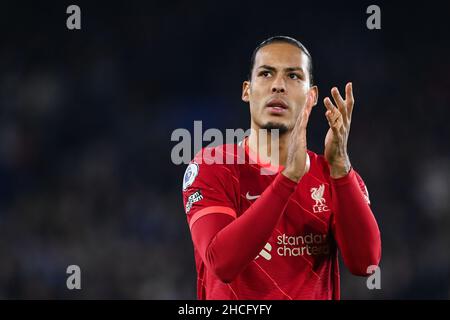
[(209, 189)]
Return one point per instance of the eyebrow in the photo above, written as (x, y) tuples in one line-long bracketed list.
[(265, 66)]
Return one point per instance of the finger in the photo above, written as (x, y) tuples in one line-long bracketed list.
[(304, 118), (337, 97), (329, 105), (336, 124), (339, 102), (332, 110), (309, 101), (309, 104), (334, 120), (332, 114), (349, 99), (332, 117)]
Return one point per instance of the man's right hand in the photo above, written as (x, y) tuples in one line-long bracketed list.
[(297, 163)]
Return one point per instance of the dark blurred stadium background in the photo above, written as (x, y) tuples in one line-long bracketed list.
[(86, 118)]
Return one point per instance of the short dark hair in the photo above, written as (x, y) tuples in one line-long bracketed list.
[(284, 39)]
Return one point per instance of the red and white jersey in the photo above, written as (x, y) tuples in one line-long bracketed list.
[(300, 259)]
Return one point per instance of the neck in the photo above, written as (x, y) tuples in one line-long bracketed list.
[(261, 145)]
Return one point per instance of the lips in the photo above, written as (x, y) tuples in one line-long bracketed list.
[(277, 106), (277, 103)]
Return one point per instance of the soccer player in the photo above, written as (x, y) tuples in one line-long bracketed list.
[(277, 236)]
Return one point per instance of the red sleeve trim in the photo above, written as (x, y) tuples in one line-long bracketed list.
[(345, 179), (211, 210)]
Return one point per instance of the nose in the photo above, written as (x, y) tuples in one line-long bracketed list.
[(278, 85)]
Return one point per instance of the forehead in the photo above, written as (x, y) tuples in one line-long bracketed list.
[(281, 55)]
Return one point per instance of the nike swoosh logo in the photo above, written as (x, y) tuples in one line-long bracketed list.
[(249, 197)]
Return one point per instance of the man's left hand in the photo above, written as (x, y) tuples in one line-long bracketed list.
[(339, 117)]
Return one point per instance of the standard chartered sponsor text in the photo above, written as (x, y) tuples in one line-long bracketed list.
[(309, 244)]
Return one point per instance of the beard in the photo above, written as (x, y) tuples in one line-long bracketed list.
[(273, 125)]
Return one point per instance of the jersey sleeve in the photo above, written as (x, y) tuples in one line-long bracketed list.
[(209, 189), (363, 187), (354, 225)]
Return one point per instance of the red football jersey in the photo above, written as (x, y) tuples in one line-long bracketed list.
[(300, 259)]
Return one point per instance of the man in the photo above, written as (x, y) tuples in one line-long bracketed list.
[(276, 236)]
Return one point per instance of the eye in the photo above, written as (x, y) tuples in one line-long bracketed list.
[(264, 74), (294, 76)]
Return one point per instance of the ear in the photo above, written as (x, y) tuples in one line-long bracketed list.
[(314, 91), (246, 91)]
